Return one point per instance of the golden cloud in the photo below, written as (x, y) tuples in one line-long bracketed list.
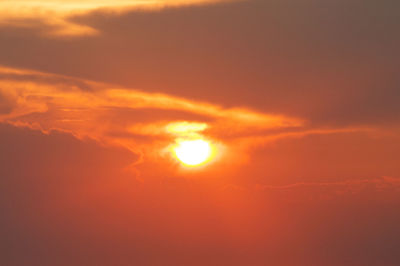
[(145, 123), (54, 16), (131, 118)]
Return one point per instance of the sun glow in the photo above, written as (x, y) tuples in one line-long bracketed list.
[(193, 152)]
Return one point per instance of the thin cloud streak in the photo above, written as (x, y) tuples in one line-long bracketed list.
[(55, 16)]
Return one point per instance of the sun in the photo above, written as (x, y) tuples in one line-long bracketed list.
[(193, 152)]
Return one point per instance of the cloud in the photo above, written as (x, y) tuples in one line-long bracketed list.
[(55, 158), (53, 17), (313, 61), (6, 104), (323, 157), (384, 186), (137, 120), (148, 123)]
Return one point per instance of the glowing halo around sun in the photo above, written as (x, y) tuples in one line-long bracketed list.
[(193, 152), (191, 148)]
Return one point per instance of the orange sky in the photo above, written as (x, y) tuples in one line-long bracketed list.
[(297, 102)]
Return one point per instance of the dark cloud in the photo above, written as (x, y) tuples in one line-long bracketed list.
[(59, 81), (333, 157), (47, 157), (6, 104)]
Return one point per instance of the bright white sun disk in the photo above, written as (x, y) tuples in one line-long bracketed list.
[(193, 152)]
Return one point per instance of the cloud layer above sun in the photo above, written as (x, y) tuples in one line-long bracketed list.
[(149, 125), (130, 118)]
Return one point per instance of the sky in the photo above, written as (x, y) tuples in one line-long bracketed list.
[(199, 132)]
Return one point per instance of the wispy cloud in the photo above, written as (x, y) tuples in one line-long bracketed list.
[(118, 115), (53, 17), (143, 122)]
